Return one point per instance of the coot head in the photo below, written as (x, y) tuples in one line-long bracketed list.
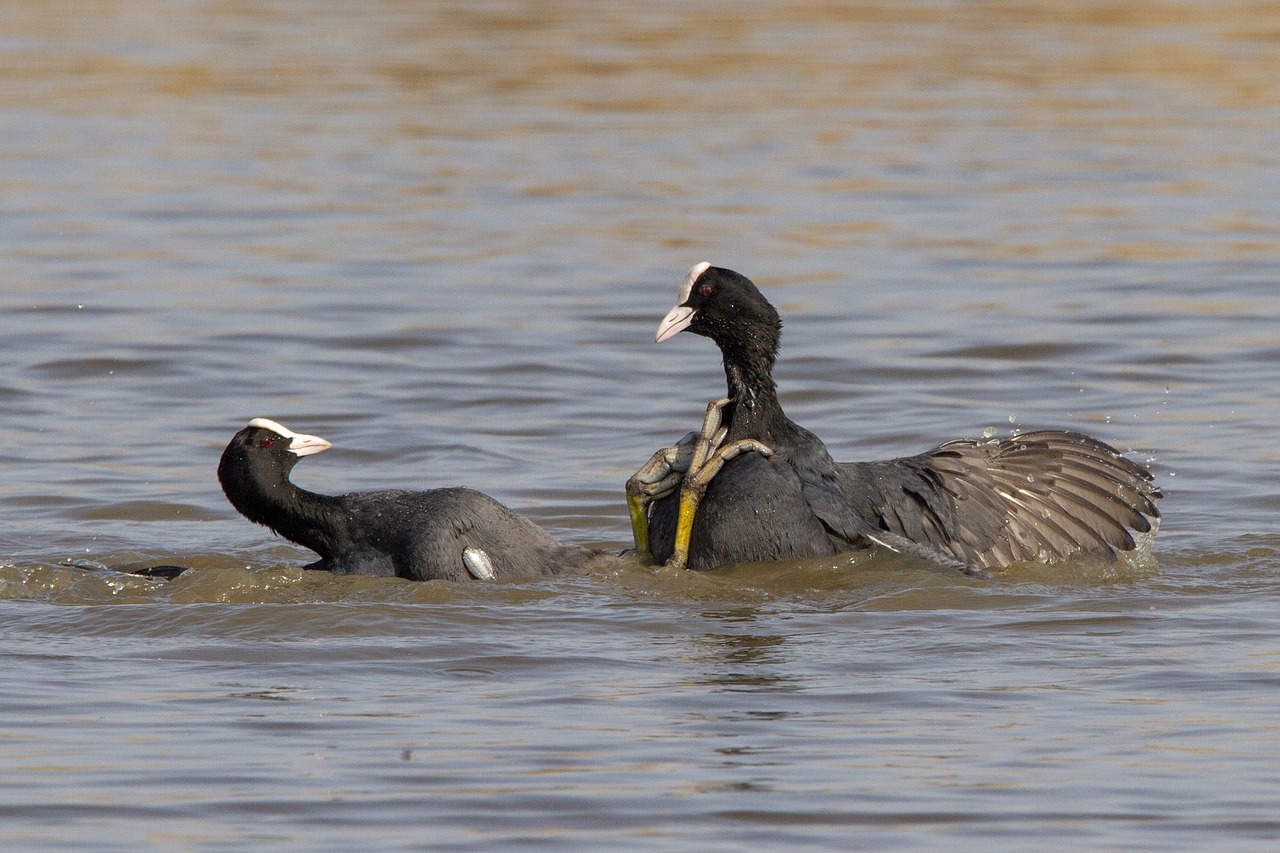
[(269, 450), (725, 306)]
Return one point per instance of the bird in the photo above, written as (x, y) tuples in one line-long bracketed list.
[(455, 534), (776, 493)]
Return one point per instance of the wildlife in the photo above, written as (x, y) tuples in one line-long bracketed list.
[(454, 533), (755, 486)]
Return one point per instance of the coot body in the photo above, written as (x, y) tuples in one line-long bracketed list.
[(440, 534), (1042, 496)]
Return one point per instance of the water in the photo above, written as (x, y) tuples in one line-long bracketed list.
[(442, 235)]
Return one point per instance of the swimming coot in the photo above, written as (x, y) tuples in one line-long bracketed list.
[(1040, 496), (441, 534)]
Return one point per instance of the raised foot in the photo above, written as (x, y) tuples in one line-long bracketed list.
[(688, 466), (694, 487), (709, 455), (662, 474), (656, 479)]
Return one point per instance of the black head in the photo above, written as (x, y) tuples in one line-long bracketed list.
[(265, 452), (725, 306)]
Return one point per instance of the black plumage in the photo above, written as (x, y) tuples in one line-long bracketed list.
[(1041, 496), (440, 534)]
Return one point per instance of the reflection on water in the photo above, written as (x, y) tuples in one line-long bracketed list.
[(744, 659), (442, 234)]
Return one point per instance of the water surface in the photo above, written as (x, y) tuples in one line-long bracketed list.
[(442, 235)]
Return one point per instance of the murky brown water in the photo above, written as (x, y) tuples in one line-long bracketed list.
[(441, 235)]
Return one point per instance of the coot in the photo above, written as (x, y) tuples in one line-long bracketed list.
[(1040, 496), (441, 534)]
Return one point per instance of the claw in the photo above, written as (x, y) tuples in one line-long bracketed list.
[(712, 434), (661, 474), (694, 488), (656, 479), (689, 466)]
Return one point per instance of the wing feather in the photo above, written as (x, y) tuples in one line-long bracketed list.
[(1045, 495)]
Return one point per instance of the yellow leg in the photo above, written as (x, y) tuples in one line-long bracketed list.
[(695, 486), (689, 466), (659, 477), (639, 523), (689, 500)]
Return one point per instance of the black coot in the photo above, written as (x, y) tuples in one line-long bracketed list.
[(441, 534), (1040, 496)]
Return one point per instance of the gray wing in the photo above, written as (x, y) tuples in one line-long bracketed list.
[(1042, 496), (823, 490)]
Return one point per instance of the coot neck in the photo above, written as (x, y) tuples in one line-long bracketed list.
[(748, 373), (312, 520)]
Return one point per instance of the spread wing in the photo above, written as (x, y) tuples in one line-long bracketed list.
[(821, 484), (1041, 496)]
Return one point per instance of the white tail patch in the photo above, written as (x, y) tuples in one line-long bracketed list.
[(478, 564)]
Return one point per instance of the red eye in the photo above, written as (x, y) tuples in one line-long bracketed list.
[(266, 442), (705, 290)]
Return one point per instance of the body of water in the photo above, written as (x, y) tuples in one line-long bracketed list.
[(441, 235)]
